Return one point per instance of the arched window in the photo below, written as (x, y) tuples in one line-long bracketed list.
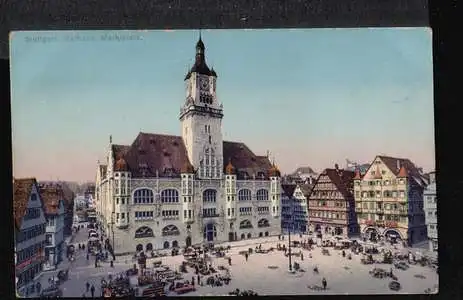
[(143, 196), (166, 245), (210, 196), (263, 223), (245, 224), (261, 234), (143, 232), (244, 195), (174, 244), (170, 230), (249, 235), (243, 236), (262, 195), (169, 196)]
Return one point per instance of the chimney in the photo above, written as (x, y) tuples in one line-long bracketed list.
[(398, 165), (336, 166)]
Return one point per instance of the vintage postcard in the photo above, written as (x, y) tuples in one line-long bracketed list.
[(224, 162)]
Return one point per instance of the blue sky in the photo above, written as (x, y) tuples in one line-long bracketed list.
[(309, 96)]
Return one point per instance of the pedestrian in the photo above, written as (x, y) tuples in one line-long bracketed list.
[(324, 283), (193, 281), (38, 287), (198, 279), (92, 290), (229, 261), (87, 285), (302, 256), (343, 253), (246, 256)]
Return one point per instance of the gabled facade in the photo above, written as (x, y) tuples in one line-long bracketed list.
[(166, 191), (29, 229), (331, 204), (53, 199), (389, 200), (294, 214), (430, 210)]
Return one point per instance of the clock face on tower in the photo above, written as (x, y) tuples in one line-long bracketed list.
[(204, 82)]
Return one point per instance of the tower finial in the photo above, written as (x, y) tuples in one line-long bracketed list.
[(110, 139), (200, 33)]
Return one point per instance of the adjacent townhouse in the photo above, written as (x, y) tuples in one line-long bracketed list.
[(331, 204), (293, 209), (430, 209), (29, 231), (389, 200), (53, 199)]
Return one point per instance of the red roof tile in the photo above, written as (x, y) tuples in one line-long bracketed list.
[(21, 193), (402, 172), (229, 169), (51, 197)]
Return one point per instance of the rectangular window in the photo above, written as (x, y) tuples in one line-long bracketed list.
[(189, 213), (117, 216), (123, 216), (228, 211), (233, 211), (185, 213), (123, 201)]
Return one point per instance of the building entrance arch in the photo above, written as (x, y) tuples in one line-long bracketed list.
[(188, 241), (371, 233), (392, 233), (210, 232), (139, 247)]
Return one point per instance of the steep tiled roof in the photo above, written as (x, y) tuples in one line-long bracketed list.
[(119, 151), (342, 179), (288, 189), (306, 189), (357, 174), (394, 164), (245, 161), (21, 193), (51, 197), (167, 155)]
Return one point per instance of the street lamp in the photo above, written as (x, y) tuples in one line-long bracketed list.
[(112, 229), (289, 236)]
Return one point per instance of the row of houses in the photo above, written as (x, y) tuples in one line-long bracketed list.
[(39, 226), (390, 198)]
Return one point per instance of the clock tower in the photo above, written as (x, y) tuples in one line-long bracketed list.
[(201, 117)]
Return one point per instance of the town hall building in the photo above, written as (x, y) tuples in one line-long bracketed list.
[(166, 191)]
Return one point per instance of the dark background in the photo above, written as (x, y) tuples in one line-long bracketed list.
[(176, 14)]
